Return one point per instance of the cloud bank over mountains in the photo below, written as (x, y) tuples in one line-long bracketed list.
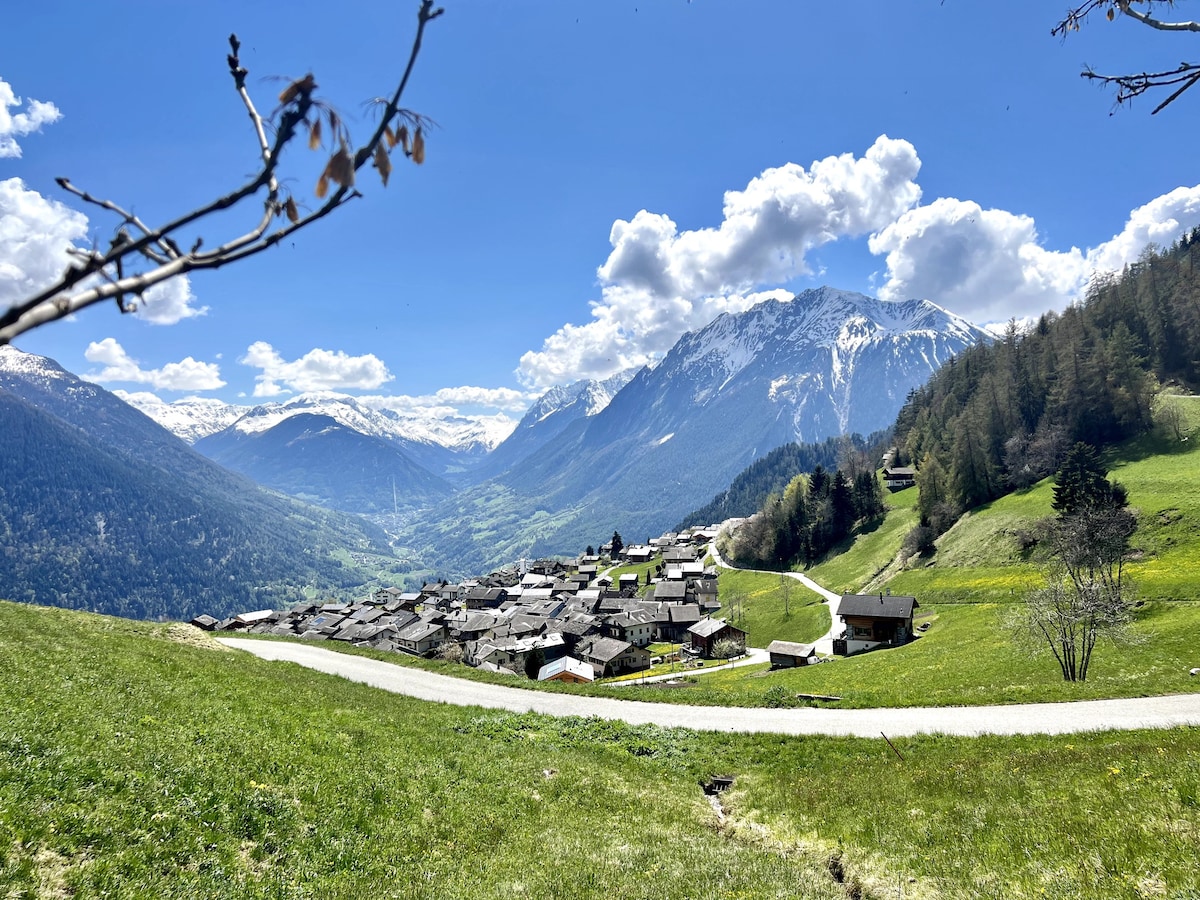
[(987, 265), (658, 281)]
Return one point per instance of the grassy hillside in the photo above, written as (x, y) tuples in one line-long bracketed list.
[(980, 560), (970, 589), (141, 760), (754, 601)]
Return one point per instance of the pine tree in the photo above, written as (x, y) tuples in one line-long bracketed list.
[(617, 544), (1083, 483)]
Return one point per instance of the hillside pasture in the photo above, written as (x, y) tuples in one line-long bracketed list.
[(143, 760)]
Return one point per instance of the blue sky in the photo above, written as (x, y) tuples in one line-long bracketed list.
[(605, 175)]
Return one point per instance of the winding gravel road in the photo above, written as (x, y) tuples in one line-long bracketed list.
[(1039, 718)]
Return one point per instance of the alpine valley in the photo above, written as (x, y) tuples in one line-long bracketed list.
[(634, 453), (103, 509)]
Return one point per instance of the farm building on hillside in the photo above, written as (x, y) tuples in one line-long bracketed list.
[(788, 654), (896, 477), (873, 620), (705, 634)]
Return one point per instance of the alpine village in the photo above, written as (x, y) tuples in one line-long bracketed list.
[(758, 587)]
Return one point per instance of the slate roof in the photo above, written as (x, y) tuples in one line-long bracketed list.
[(791, 648), (418, 631), (709, 627), (877, 606), (683, 613), (604, 649), (670, 590)]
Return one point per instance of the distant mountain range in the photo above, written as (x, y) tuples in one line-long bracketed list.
[(824, 363), (633, 453), (103, 509)]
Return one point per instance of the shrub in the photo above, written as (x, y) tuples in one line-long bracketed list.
[(727, 648)]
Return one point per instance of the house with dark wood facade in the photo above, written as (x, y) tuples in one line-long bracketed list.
[(873, 620)]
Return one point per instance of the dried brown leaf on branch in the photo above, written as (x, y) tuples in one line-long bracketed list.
[(383, 163), (305, 85), (339, 170), (418, 146)]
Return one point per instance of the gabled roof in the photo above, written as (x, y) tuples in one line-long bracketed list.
[(683, 613), (708, 627), (604, 649), (791, 648), (670, 590), (418, 631), (566, 664), (877, 606)]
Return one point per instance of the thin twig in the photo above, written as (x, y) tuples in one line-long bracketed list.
[(158, 244)]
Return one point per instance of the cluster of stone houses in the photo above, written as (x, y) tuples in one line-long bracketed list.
[(575, 623)]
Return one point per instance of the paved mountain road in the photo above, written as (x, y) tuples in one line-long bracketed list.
[(1039, 718)]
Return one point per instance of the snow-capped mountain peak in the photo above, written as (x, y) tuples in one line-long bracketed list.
[(190, 418), (18, 362), (460, 433)]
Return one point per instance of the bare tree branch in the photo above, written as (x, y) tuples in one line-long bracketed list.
[(1132, 85), (97, 276)]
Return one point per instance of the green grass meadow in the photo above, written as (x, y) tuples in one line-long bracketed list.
[(138, 760), (754, 601)]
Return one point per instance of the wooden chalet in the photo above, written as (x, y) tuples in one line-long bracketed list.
[(897, 477), (874, 620), (705, 634)]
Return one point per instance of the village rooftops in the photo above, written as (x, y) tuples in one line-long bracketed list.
[(877, 606)]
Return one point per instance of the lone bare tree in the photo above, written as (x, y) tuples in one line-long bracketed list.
[(785, 589), (139, 256), (1087, 595), (1134, 84)]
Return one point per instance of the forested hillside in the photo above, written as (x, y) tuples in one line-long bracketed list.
[(770, 475), (1000, 417)]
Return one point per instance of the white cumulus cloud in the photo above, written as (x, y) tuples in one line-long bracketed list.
[(169, 302), (316, 370), (186, 375), (14, 125), (34, 236), (990, 265), (986, 265), (1161, 221), (659, 282)]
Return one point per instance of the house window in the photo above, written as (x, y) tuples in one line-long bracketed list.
[(862, 633)]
